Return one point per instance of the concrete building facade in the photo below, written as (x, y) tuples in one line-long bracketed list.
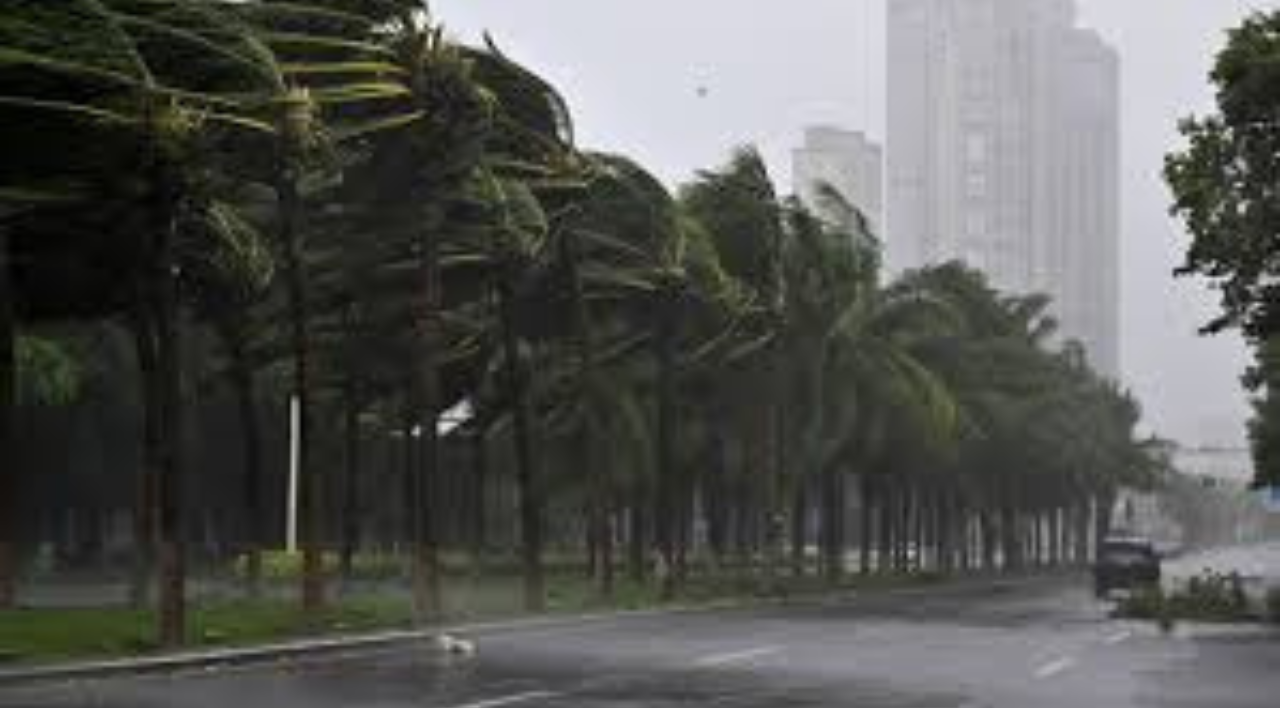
[(848, 162), (1003, 152)]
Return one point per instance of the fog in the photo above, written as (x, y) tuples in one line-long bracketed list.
[(676, 84)]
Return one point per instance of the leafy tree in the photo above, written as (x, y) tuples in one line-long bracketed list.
[(1224, 183)]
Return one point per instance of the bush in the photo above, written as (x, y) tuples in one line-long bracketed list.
[(1145, 604), (1273, 605), (1211, 597), (1214, 597), (284, 566)]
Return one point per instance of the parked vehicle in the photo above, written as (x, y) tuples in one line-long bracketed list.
[(1125, 563)]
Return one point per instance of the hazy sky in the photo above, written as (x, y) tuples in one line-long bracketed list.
[(632, 72)]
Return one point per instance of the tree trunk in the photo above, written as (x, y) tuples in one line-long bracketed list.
[(170, 461), (530, 493), (350, 478), (884, 527), (920, 529), (1104, 503), (636, 536), (296, 283), (1012, 546), (588, 438), (1082, 533), (591, 531), (864, 525), (684, 534), (1034, 537), (426, 402), (944, 512), (1055, 538), (426, 560), (479, 494), (251, 478), (664, 351), (799, 518), (606, 554), (742, 527), (9, 494), (409, 485), (147, 480), (906, 528), (715, 500), (832, 542)]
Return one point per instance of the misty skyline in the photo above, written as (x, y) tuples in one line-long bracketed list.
[(677, 85)]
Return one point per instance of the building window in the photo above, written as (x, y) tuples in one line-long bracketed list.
[(975, 184), (975, 224), (975, 147)]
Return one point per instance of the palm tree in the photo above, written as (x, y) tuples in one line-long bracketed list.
[(738, 208), (8, 394), (162, 91), (112, 60)]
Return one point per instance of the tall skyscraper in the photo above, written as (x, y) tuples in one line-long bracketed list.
[(1003, 152), (849, 163)]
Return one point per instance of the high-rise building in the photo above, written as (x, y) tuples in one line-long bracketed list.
[(1003, 152), (847, 162)]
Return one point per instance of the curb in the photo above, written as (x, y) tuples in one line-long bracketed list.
[(319, 647), (206, 658)]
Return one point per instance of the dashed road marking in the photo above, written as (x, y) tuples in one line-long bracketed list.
[(516, 699), (1119, 637), (1048, 670), (735, 658)]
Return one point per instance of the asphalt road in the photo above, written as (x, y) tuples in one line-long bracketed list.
[(1029, 643)]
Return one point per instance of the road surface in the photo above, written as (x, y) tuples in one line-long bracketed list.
[(1039, 643)]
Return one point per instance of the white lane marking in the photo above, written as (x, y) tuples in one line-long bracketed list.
[(1119, 637), (516, 699), (734, 658), (1048, 670)]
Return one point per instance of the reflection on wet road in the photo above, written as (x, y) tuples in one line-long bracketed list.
[(1041, 642)]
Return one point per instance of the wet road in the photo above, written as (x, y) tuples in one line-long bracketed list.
[(1044, 642)]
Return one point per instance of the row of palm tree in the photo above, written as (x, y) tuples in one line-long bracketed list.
[(371, 217)]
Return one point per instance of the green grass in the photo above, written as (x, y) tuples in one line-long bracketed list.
[(43, 635), (50, 635)]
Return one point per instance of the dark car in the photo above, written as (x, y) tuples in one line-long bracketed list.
[(1125, 564)]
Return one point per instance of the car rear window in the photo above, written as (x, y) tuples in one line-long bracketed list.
[(1126, 553)]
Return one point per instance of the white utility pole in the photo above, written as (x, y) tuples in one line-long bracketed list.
[(291, 510)]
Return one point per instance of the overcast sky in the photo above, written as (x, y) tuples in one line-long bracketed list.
[(632, 72)]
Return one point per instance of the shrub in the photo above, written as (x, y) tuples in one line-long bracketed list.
[(1273, 605), (1211, 597), (284, 566), (1147, 603), (1214, 597)]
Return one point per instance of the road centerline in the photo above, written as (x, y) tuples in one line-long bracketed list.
[(737, 657), (514, 699), (1118, 637), (1055, 667)]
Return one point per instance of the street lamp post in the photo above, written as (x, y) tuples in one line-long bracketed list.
[(291, 507)]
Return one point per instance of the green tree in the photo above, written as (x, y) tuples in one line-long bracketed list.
[(1225, 183)]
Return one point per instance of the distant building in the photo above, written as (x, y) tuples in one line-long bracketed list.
[(849, 163), (1225, 466), (1003, 152)]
